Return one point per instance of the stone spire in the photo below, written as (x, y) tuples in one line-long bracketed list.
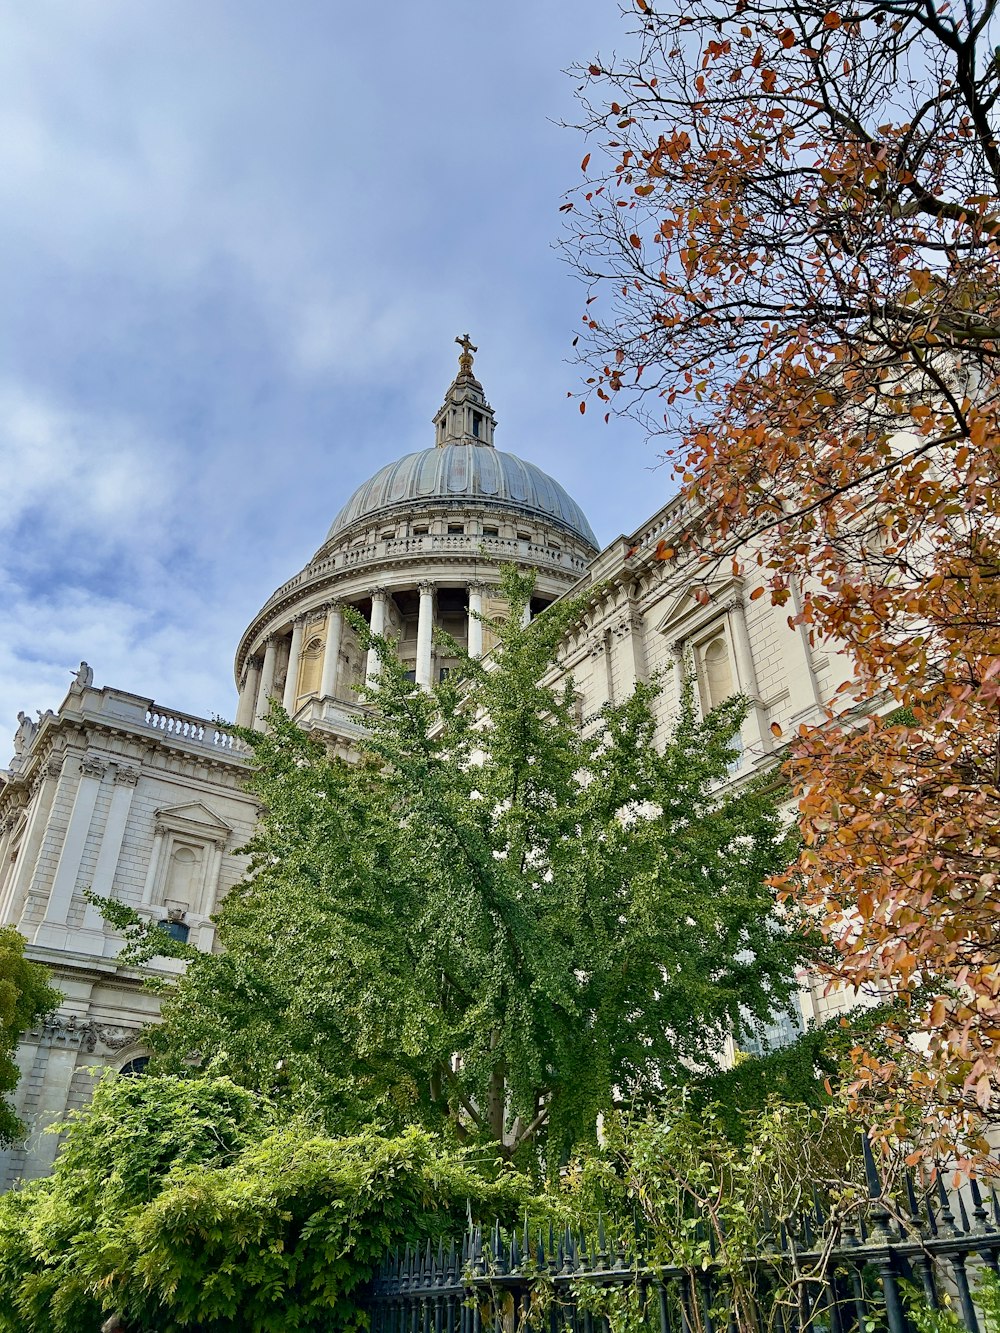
[(465, 417)]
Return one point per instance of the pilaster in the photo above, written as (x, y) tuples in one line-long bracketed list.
[(53, 931)]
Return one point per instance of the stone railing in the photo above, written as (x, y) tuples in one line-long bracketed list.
[(195, 730), (430, 544)]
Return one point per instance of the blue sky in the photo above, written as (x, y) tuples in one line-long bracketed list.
[(237, 240)]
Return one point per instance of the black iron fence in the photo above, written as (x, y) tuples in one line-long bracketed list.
[(909, 1265)]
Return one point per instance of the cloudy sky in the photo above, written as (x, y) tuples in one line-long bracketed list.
[(237, 239)]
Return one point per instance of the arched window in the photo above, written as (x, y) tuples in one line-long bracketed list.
[(715, 672), (311, 668), (134, 1067), (181, 878)]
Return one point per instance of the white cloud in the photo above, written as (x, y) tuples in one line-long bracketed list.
[(82, 474)]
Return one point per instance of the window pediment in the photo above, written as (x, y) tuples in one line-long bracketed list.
[(195, 820), (686, 613)]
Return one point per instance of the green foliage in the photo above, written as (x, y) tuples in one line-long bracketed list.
[(988, 1300), (700, 1192), (25, 997), (567, 915), (806, 1073), (182, 1204)]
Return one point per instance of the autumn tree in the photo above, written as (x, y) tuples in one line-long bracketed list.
[(491, 923), (789, 225)]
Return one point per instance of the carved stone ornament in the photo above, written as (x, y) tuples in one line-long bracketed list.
[(87, 1035), (597, 648), (426, 586), (127, 776), (92, 767), (380, 593)]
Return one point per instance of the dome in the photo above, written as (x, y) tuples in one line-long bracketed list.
[(464, 471)]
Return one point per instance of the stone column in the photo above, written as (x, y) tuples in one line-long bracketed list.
[(746, 676), (248, 694), (23, 871), (331, 652), (377, 626), (266, 682), (475, 626), (153, 869), (111, 846), (294, 653), (52, 930), (6, 833), (425, 636), (797, 663), (630, 654), (526, 614)]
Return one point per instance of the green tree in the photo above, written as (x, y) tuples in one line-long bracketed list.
[(182, 1203), (25, 997), (492, 921)]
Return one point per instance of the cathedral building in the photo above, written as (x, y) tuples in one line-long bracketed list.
[(120, 795)]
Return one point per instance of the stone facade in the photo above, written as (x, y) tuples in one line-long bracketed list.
[(117, 795)]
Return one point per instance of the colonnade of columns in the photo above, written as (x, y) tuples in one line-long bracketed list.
[(259, 682)]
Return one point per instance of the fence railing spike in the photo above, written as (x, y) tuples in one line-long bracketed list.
[(980, 1215), (871, 1171), (601, 1258), (945, 1214)]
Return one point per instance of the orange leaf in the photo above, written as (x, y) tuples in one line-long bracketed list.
[(585, 163), (757, 592), (775, 729)]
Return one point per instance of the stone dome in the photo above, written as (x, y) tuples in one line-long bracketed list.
[(474, 472)]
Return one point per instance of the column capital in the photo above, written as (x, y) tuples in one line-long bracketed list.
[(126, 775), (426, 586), (301, 617), (92, 766), (254, 662), (477, 585), (380, 592)]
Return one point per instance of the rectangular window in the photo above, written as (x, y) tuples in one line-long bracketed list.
[(477, 424), (491, 532), (411, 676), (421, 530), (444, 673), (456, 529), (524, 536)]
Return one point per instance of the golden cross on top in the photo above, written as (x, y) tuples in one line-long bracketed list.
[(465, 360)]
